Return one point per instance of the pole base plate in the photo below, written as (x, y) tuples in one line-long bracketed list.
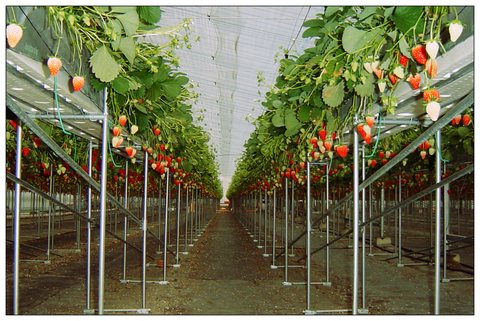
[(362, 311), (285, 283), (273, 267), (176, 265)]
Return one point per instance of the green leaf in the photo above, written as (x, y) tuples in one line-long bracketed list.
[(333, 95), (129, 21), (172, 88), (314, 23), (330, 121), (331, 10), (304, 113), (133, 85), (404, 48), (141, 109), (393, 35), (150, 14), (467, 146), (278, 119), (121, 85), (122, 9), (288, 69), (354, 39), (277, 104), (405, 17), (388, 12), (366, 89), (463, 131), (116, 29), (291, 120), (127, 47), (187, 166), (317, 114), (182, 80), (104, 65), (96, 84), (367, 12), (312, 32)]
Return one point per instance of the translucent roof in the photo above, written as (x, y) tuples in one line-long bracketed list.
[(235, 45)]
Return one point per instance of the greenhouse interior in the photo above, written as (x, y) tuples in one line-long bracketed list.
[(239, 160)]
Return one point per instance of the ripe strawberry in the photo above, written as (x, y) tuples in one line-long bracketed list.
[(433, 110), (116, 131), (373, 163), (37, 142), (370, 120), (378, 73), (393, 79), (77, 83), (130, 151), (419, 53), (334, 135), (25, 151), (426, 145), (162, 147), (156, 131), (361, 130), (150, 150), (456, 120), (432, 48), (313, 140), (328, 145), (122, 120), (381, 154), (414, 81), (322, 133), (54, 64), (342, 151), (14, 34), (455, 29), (403, 60), (13, 124), (367, 139), (432, 67), (423, 154), (431, 94), (466, 120)]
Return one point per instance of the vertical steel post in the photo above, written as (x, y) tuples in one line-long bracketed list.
[(293, 208), (265, 225), (125, 222), (103, 206), (446, 223), (165, 231), (159, 227), (327, 192), (382, 208), (255, 205), (364, 262), (186, 220), (16, 219), (355, 222), (309, 235), (274, 236), (286, 235), (177, 247), (50, 205), (192, 217), (369, 217), (438, 212), (89, 229), (400, 264), (144, 229)]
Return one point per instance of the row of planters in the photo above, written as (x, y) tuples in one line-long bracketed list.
[(149, 101), (360, 56)]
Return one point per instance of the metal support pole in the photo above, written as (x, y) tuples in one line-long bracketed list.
[(159, 227), (144, 228), (49, 230), (16, 219), (165, 231), (370, 216), (274, 236), (292, 226), (125, 222), (177, 247), (400, 264), (89, 231), (364, 309), (438, 211), (103, 206), (192, 217), (446, 224), (285, 254), (382, 208), (265, 225), (255, 209), (327, 192), (309, 234), (186, 222), (355, 222)]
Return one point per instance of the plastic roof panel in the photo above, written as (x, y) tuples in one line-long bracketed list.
[(236, 43)]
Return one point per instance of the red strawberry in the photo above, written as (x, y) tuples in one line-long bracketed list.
[(322, 133), (403, 60), (431, 94), (419, 53), (156, 131), (116, 131), (414, 81), (381, 154), (456, 120), (37, 142), (122, 120), (150, 150), (130, 151), (313, 140), (393, 79), (54, 64), (367, 139), (466, 120), (77, 83), (328, 145), (361, 130), (370, 120), (334, 135), (423, 154), (25, 151), (14, 34), (342, 151), (179, 160), (378, 73), (13, 124), (373, 163), (162, 147), (432, 67)]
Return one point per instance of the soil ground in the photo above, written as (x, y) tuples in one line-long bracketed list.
[(225, 273)]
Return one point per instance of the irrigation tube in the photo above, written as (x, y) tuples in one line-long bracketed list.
[(103, 206), (144, 228), (165, 231), (89, 229), (16, 221), (438, 212)]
